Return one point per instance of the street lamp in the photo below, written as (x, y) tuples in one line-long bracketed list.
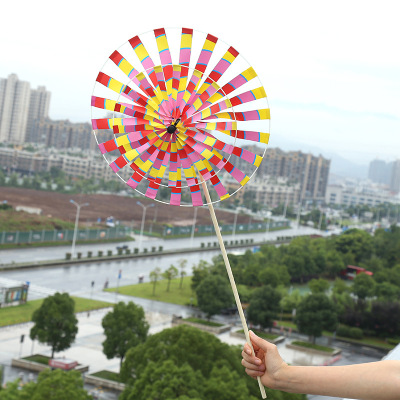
[(143, 218), (234, 224), (193, 226), (321, 214), (298, 215), (78, 210)]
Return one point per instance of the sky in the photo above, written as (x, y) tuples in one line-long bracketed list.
[(331, 69)]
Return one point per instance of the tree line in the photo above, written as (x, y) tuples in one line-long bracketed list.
[(368, 305)]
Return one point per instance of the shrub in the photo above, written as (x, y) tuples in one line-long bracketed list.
[(350, 332)]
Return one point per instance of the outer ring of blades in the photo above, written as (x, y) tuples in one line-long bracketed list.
[(211, 173)]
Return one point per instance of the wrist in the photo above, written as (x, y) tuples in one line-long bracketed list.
[(282, 378)]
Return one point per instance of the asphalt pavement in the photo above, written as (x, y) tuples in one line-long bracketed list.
[(37, 254)]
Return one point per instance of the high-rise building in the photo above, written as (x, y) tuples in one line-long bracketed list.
[(310, 171), (14, 106), (379, 171), (62, 134), (395, 177), (38, 106), (19, 107)]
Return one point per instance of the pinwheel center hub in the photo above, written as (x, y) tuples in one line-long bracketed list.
[(171, 129)]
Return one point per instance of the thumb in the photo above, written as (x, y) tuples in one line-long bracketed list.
[(260, 343)]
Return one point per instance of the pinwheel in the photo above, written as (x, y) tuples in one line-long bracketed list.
[(183, 119)]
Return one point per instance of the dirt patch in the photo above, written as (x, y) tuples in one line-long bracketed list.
[(101, 206)]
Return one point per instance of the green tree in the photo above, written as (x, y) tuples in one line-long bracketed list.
[(340, 286), (356, 242), (182, 265), (334, 263), (269, 276), (264, 306), (290, 301), (213, 294), (225, 384), (154, 277), (124, 327), (315, 313), (298, 257), (55, 322), (59, 385), (363, 286), (2, 178), (200, 271), (176, 356), (181, 345), (13, 180), (386, 291), (166, 381), (170, 274), (318, 286), (50, 385)]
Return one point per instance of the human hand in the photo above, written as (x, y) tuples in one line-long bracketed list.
[(266, 363)]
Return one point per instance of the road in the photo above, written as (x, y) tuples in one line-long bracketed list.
[(76, 279), (58, 253)]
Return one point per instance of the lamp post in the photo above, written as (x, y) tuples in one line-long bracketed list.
[(234, 225), (298, 215), (143, 218), (193, 226), (78, 210), (320, 219), (286, 204)]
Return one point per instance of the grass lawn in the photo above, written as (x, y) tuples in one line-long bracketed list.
[(313, 346), (203, 322), (111, 376), (23, 313), (38, 358), (175, 295), (264, 335)]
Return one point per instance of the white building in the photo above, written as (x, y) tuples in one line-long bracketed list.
[(350, 196), (19, 107), (14, 107)]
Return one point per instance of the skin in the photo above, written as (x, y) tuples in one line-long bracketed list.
[(369, 381)]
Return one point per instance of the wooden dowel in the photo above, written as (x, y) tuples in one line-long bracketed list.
[(230, 275)]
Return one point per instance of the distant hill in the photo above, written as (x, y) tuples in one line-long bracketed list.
[(339, 165)]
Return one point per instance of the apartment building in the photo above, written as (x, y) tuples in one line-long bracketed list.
[(350, 196), (310, 171), (19, 107)]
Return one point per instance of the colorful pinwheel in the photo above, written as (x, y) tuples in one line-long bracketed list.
[(165, 123), (172, 117)]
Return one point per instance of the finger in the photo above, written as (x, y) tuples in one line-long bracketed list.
[(247, 349), (252, 366), (261, 343), (251, 359), (254, 373)]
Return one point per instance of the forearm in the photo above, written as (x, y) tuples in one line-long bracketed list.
[(371, 381)]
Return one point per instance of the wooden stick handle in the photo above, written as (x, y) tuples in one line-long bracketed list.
[(230, 275)]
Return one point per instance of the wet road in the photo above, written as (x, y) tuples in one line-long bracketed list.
[(77, 278), (58, 252)]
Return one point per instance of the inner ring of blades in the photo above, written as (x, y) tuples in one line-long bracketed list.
[(173, 129)]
